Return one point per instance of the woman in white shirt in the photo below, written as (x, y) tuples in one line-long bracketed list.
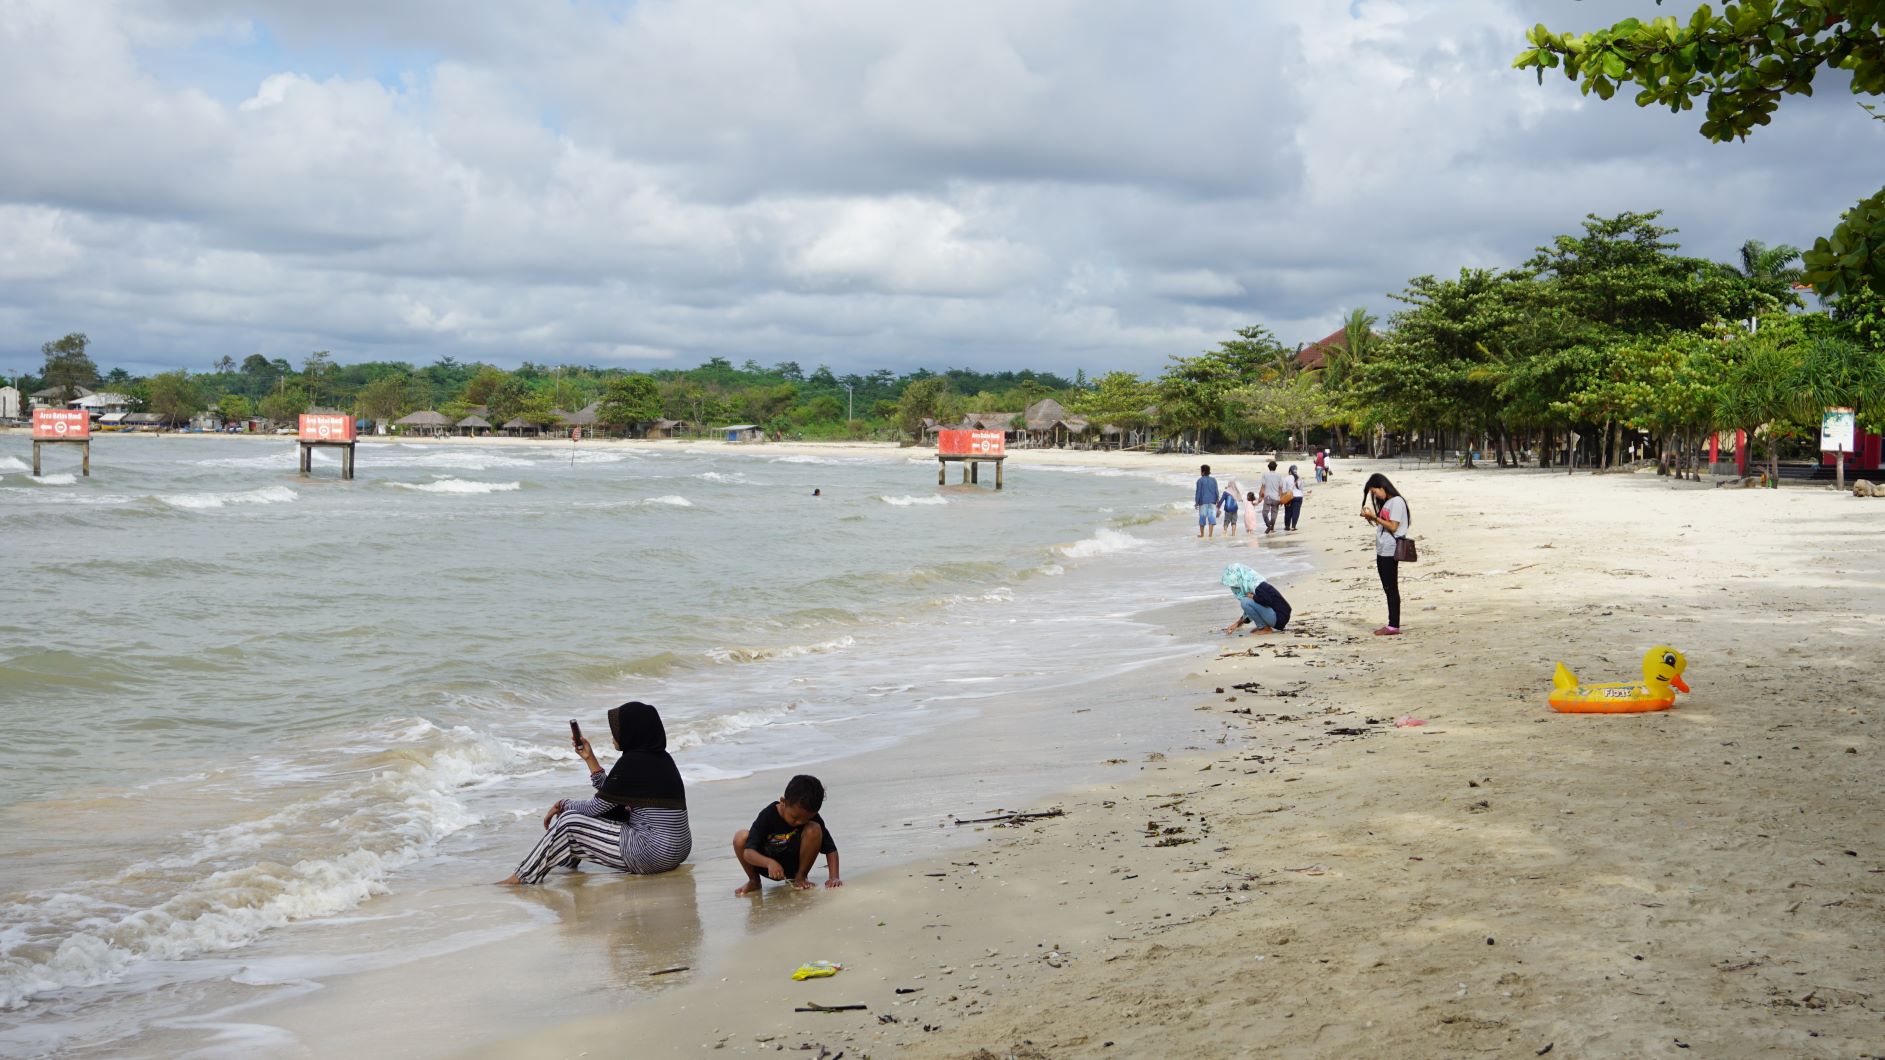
[(1390, 517)]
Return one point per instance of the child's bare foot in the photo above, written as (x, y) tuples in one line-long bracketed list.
[(749, 887)]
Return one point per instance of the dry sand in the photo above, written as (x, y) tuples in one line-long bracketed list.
[(1502, 880)]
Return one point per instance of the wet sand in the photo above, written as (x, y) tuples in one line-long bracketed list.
[(1704, 881)]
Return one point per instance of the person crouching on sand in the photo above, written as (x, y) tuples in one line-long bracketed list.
[(638, 820), (786, 839), (1263, 607)]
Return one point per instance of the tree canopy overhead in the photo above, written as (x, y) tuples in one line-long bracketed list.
[(1741, 61)]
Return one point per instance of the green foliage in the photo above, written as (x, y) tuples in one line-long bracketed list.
[(234, 408), (1118, 398), (68, 365), (284, 405), (174, 397), (921, 400), (629, 400), (1742, 60)]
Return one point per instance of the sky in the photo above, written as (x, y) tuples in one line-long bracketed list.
[(1052, 184)]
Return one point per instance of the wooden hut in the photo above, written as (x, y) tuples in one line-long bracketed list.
[(519, 427), (471, 426), (427, 422), (666, 428)]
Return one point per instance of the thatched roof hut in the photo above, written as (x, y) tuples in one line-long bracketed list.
[(1044, 414), (428, 418), (474, 424), (584, 417)]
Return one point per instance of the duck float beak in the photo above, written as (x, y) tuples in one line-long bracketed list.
[(1680, 684)]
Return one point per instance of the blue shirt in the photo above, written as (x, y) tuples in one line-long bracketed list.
[(1206, 493)]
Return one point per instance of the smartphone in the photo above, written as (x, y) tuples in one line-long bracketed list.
[(575, 733)]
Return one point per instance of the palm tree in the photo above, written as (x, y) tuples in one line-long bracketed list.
[(1772, 269), (1339, 363)]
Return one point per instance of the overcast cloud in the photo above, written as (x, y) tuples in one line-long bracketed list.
[(1054, 184)]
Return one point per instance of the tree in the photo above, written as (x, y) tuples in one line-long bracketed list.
[(921, 400), (1117, 398), (315, 370), (68, 366), (383, 399), (1294, 404), (284, 404), (1835, 373), (174, 397), (629, 400), (1743, 59), (485, 383), (234, 408)]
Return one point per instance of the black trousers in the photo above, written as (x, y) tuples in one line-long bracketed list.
[(1390, 570)]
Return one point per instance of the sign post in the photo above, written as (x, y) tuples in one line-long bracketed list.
[(1836, 437), (971, 449), (326, 430), (63, 427)]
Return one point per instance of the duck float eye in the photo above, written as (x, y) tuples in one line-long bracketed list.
[(1669, 660)]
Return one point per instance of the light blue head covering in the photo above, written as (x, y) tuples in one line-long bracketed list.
[(1241, 579)]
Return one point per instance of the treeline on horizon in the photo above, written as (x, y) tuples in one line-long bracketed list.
[(1607, 331)]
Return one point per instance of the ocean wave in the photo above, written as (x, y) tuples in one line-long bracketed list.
[(283, 458), (315, 858), (697, 732), (199, 501), (455, 459), (14, 463), (64, 479), (790, 651), (458, 485), (907, 501), (715, 476), (672, 499), (1105, 542)]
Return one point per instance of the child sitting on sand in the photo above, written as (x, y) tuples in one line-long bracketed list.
[(1262, 605), (786, 839)]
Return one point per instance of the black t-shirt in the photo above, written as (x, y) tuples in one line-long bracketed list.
[(771, 836)]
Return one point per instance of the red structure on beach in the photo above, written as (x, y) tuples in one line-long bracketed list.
[(63, 427), (970, 449)]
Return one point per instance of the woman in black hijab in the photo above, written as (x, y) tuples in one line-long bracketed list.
[(638, 820)]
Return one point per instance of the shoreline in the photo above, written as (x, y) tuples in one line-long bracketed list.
[(1501, 877), (303, 989)]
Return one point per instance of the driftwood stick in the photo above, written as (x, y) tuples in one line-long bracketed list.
[(1015, 818), (816, 1007), (670, 971)]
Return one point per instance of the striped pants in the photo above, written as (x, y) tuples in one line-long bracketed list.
[(570, 838)]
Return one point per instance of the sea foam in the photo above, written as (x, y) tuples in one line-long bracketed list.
[(905, 502), (265, 495), (458, 485), (1105, 542)]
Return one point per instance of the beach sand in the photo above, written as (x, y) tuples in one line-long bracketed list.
[(1501, 880)]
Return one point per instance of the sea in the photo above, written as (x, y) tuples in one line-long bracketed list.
[(266, 731)]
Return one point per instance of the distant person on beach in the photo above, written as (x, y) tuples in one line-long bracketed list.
[(638, 820), (1264, 608), (816, 492), (1292, 509), (1250, 514), (1204, 497), (1228, 502), (1322, 465), (786, 839), (1271, 489), (1390, 517)]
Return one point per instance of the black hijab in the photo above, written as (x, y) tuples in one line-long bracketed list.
[(645, 775)]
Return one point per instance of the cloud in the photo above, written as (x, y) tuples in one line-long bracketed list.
[(1062, 184)]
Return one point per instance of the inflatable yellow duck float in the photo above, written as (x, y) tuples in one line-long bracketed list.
[(1662, 679)]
